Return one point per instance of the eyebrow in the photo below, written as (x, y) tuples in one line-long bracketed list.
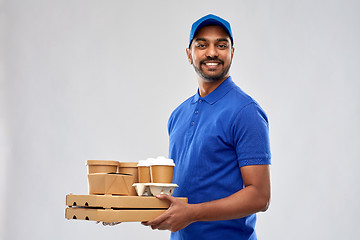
[(223, 40), (218, 40)]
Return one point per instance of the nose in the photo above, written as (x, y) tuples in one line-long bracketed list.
[(211, 51)]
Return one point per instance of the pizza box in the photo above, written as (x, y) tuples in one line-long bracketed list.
[(109, 208), (111, 201), (112, 215)]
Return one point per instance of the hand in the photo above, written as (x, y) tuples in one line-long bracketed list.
[(177, 217), (108, 224)]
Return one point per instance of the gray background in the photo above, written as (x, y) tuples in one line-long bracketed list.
[(98, 80)]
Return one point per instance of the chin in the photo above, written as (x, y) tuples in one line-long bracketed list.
[(214, 78)]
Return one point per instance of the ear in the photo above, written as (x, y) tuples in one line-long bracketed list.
[(232, 53), (188, 53)]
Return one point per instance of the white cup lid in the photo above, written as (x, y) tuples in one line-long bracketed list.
[(144, 163), (162, 161)]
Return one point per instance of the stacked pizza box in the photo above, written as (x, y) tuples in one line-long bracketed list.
[(123, 191)]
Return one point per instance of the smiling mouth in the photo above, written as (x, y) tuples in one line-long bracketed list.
[(212, 64)]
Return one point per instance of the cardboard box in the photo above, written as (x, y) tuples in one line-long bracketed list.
[(110, 183), (130, 168), (107, 208), (111, 215), (108, 201)]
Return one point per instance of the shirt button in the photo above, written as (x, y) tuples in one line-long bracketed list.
[(200, 101), (192, 123), (196, 112)]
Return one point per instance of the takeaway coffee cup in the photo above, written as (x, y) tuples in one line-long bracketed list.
[(162, 170), (144, 171)]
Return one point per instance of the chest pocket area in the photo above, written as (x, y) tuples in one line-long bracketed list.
[(214, 150)]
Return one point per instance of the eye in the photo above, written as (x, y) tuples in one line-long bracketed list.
[(222, 46), (200, 45)]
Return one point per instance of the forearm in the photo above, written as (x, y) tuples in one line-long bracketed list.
[(254, 197), (240, 204)]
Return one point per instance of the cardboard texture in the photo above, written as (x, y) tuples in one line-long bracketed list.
[(144, 174), (102, 166), (107, 208), (111, 215), (130, 168), (107, 179), (108, 201), (161, 173), (117, 184)]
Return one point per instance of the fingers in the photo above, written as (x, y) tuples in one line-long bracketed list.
[(160, 223), (164, 225), (160, 227), (166, 220), (166, 197), (157, 220), (109, 223)]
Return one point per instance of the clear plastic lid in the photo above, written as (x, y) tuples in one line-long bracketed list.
[(162, 161)]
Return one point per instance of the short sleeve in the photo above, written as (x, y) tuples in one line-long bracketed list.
[(251, 136), (169, 124)]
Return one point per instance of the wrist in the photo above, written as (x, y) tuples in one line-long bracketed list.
[(195, 212)]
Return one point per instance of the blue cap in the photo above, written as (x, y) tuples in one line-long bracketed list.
[(210, 20)]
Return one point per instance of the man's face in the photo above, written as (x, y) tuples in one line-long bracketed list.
[(211, 53)]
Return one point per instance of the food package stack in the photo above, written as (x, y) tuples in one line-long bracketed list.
[(112, 177), (115, 194)]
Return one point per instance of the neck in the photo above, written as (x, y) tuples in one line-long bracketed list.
[(206, 87)]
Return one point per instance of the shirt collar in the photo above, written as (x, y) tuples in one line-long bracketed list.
[(217, 94)]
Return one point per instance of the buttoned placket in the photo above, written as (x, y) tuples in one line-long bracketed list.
[(194, 119)]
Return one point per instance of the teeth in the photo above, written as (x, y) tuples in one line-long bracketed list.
[(212, 64)]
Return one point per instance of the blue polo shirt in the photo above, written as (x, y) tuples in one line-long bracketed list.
[(210, 138)]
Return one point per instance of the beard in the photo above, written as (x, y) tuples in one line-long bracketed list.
[(211, 78)]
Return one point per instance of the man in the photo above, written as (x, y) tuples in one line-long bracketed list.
[(219, 141)]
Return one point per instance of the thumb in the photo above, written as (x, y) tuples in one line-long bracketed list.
[(166, 197)]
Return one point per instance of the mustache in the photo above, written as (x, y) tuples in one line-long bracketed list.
[(211, 59)]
